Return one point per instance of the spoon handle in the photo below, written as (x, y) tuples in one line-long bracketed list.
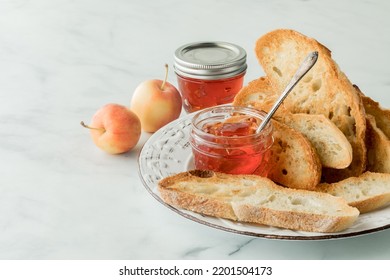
[(305, 66)]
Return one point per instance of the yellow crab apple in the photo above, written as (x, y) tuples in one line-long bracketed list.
[(156, 103), (115, 128)]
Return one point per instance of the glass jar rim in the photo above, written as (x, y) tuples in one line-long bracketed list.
[(225, 110)]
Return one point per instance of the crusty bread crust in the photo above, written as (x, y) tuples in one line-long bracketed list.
[(381, 115), (192, 201), (377, 134), (368, 192), (293, 220), (255, 199), (324, 90), (294, 161), (378, 148)]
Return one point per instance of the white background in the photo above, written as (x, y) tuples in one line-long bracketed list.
[(63, 198)]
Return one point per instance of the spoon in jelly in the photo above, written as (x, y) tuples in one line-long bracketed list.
[(305, 66)]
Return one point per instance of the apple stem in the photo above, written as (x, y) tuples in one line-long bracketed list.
[(96, 128), (166, 77)]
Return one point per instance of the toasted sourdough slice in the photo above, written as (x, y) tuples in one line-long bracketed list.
[(325, 90), (367, 192), (378, 148), (331, 145), (255, 199), (294, 161)]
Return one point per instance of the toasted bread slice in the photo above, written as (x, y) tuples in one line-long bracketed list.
[(377, 135), (255, 199), (381, 115), (378, 148), (367, 192), (324, 90), (258, 94), (331, 145), (294, 161)]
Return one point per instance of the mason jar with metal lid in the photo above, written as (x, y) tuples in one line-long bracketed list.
[(209, 73)]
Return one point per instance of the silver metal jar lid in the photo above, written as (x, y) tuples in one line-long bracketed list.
[(210, 60)]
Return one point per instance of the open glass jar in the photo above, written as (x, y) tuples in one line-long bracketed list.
[(209, 73), (224, 139)]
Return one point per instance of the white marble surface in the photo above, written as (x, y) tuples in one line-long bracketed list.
[(62, 198)]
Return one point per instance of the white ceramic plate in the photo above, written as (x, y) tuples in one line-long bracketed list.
[(168, 152)]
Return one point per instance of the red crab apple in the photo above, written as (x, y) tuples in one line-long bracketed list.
[(156, 103), (115, 128)]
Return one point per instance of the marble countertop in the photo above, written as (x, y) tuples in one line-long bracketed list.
[(63, 198)]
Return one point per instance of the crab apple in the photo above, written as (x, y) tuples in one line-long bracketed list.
[(115, 128), (156, 103)]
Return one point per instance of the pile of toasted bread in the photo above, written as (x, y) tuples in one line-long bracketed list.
[(331, 151)]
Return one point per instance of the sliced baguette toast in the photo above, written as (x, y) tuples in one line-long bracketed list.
[(381, 115), (258, 94), (331, 145), (294, 161), (367, 192), (325, 90), (377, 136), (254, 199)]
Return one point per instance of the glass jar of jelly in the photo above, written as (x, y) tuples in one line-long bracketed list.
[(224, 139), (209, 73)]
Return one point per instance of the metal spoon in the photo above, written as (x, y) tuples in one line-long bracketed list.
[(305, 66)]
